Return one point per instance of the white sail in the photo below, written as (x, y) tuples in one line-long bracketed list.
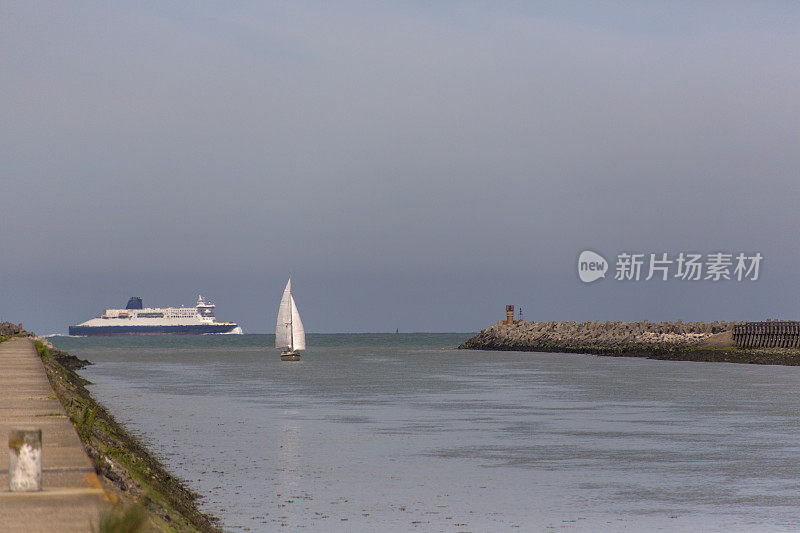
[(298, 333), (283, 329)]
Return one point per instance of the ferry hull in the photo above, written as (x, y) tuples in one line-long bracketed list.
[(194, 329)]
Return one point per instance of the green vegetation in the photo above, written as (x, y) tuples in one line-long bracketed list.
[(124, 519), (42, 350), (86, 424)]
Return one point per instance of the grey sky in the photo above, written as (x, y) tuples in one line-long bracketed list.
[(415, 166)]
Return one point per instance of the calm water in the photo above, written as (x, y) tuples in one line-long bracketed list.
[(401, 432)]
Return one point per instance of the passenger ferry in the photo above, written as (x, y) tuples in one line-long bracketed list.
[(138, 320)]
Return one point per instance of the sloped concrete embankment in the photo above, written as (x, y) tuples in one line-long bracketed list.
[(125, 466), (116, 465), (72, 497)]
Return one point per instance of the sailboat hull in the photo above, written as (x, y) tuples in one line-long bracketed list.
[(290, 356)]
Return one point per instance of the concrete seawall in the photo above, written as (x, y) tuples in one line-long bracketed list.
[(72, 497)]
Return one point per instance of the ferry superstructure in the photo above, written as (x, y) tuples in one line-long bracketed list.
[(138, 320)]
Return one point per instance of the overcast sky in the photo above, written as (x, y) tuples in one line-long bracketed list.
[(415, 165)]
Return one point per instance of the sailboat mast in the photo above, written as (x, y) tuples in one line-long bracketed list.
[(291, 327)]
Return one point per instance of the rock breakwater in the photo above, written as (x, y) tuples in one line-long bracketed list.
[(9, 329), (677, 341), (602, 338)]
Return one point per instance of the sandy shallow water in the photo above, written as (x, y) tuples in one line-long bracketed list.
[(403, 433)]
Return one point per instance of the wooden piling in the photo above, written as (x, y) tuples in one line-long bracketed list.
[(772, 334)]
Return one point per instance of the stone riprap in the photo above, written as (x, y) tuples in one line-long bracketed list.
[(7, 329), (602, 338)]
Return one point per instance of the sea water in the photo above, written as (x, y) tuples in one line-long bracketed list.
[(403, 432)]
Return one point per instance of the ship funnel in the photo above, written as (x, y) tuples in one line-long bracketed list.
[(134, 303)]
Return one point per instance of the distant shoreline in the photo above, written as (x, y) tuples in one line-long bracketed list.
[(667, 341)]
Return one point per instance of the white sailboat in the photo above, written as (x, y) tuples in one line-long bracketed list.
[(290, 336)]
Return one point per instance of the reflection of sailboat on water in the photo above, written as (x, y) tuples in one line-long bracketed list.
[(290, 336)]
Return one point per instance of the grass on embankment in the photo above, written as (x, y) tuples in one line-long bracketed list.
[(132, 476)]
